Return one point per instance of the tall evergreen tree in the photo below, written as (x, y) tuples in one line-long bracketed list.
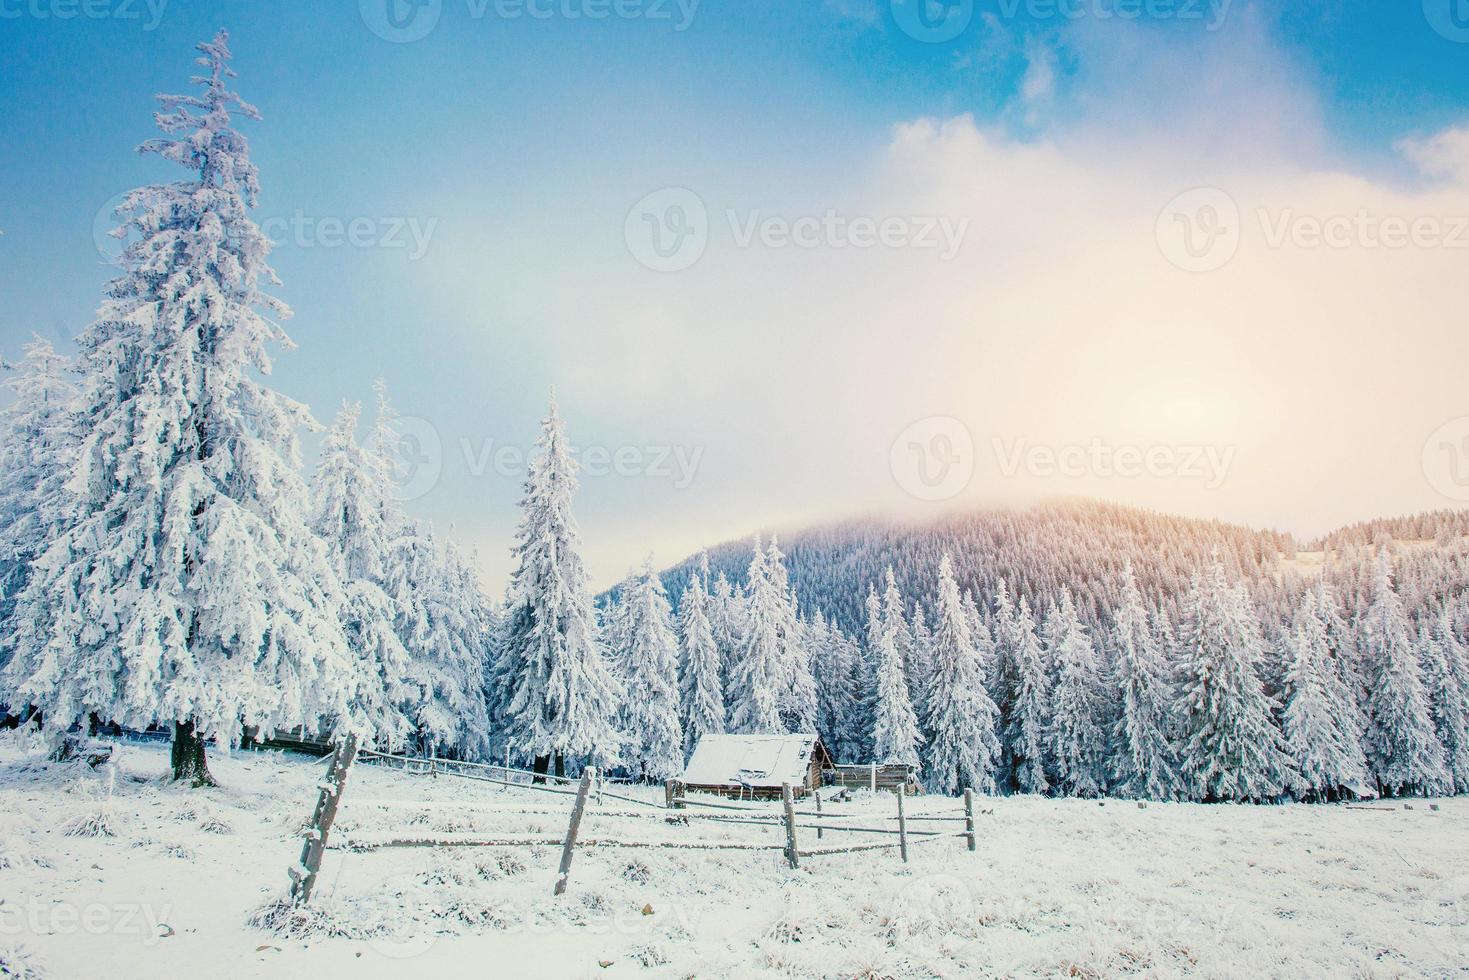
[(1320, 712), (840, 688), (1231, 748), (1403, 750), (895, 737), (1446, 676), (1078, 741), (963, 746), (701, 691), (562, 699), (797, 690), (1143, 763), (759, 670), (38, 439), (1025, 746), (649, 668), (347, 515), (188, 588)]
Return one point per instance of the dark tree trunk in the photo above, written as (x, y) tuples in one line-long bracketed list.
[(560, 764), (189, 764), (540, 767)]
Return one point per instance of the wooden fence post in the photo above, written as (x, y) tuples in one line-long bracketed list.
[(818, 814), (969, 817), (303, 876), (902, 828), (506, 789), (874, 777), (670, 796), (792, 855), (588, 774)]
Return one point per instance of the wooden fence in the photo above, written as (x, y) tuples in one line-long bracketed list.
[(790, 825)]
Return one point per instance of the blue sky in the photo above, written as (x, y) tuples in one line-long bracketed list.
[(518, 144)]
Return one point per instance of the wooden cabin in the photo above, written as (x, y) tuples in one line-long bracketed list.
[(755, 766)]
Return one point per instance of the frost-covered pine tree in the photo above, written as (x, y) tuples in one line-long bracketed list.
[(1142, 762), (38, 439), (963, 747), (920, 661), (701, 690), (727, 619), (797, 689), (1025, 744), (895, 737), (1403, 751), (1446, 676), (756, 676), (347, 514), (1231, 748), (895, 621), (649, 667), (188, 589), (561, 699), (1320, 714), (439, 612), (839, 685), (1077, 737)]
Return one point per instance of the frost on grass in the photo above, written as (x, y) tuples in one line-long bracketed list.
[(17, 963)]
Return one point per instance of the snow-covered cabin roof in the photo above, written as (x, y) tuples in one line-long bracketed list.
[(760, 761)]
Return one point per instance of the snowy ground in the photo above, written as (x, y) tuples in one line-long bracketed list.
[(1057, 888)]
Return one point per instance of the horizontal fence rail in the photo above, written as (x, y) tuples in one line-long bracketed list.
[(676, 808)]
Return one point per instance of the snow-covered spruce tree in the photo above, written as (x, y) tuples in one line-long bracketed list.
[(439, 612), (347, 514), (1077, 736), (38, 440), (839, 686), (561, 700), (188, 588), (1230, 746), (443, 684), (1025, 743), (798, 685), (1403, 751), (1320, 714), (654, 735), (895, 737), (1142, 763), (759, 669), (895, 621), (920, 661), (701, 691), (1446, 675), (727, 619), (963, 747)]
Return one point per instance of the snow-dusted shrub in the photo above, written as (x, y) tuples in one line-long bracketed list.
[(101, 819), (17, 963)]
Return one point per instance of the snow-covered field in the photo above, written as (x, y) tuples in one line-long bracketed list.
[(1057, 888)]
